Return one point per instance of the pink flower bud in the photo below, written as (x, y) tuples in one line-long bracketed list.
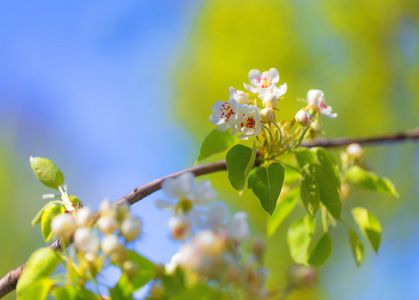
[(303, 117)]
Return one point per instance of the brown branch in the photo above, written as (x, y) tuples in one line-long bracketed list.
[(9, 281), (383, 139)]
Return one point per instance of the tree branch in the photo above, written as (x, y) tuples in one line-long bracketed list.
[(9, 281)]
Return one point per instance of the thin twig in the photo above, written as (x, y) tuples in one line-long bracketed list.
[(9, 281)]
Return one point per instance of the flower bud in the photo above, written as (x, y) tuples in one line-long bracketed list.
[(267, 114), (301, 276), (130, 268), (303, 117), (131, 228), (63, 225), (270, 101), (107, 224), (84, 240), (242, 98), (180, 227), (355, 150), (82, 216), (110, 244)]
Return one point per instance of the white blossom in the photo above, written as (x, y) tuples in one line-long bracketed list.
[(355, 150), (217, 215), (222, 111), (82, 216), (107, 224), (63, 225), (238, 228), (315, 98), (130, 228), (85, 241), (110, 244), (247, 122), (267, 114), (180, 226), (265, 83), (240, 96)]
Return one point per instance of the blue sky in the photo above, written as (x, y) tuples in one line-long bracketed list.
[(88, 84)]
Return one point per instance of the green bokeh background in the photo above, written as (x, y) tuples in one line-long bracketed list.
[(362, 54)]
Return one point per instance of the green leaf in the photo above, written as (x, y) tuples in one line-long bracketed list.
[(309, 191), (299, 237), (40, 265), (123, 289), (284, 207), (201, 292), (356, 246), (146, 269), (328, 189), (47, 172), (304, 157), (327, 161), (215, 142), (49, 213), (370, 180), (240, 161), (70, 292), (38, 216), (174, 283), (369, 225), (38, 289), (321, 251), (266, 184)]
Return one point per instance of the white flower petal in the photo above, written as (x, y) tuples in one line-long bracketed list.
[(250, 88), (232, 94), (216, 119), (313, 97), (281, 90), (166, 205), (167, 187), (183, 184), (238, 227), (203, 194), (275, 75), (254, 77), (217, 215), (224, 127)]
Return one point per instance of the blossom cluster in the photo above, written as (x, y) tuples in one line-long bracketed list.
[(96, 243), (211, 242), (245, 112)]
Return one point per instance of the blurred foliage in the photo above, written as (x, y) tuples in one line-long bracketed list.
[(20, 199), (362, 54)]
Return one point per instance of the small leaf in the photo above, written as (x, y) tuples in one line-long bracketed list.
[(370, 180), (240, 161), (123, 289), (217, 141), (309, 191), (70, 292), (38, 216), (146, 269), (356, 246), (38, 290), (304, 157), (321, 251), (40, 265), (299, 238), (50, 212), (47, 172), (328, 189), (201, 292), (283, 209), (327, 161), (369, 225), (266, 184)]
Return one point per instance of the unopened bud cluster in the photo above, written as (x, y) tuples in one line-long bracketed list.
[(96, 243)]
